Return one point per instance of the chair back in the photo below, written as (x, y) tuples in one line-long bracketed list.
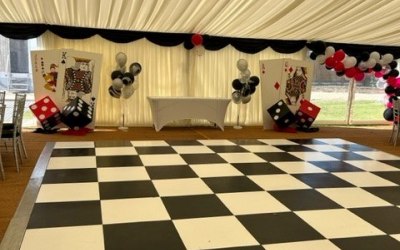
[(2, 112), (19, 100), (19, 115), (2, 97), (396, 111)]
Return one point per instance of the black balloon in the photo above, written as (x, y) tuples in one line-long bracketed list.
[(386, 76), (390, 90), (252, 89), (393, 97), (377, 67), (340, 73), (393, 64), (313, 56), (116, 74), (394, 73), (128, 78), (364, 56), (254, 80), (246, 90), (237, 85), (397, 92), (388, 114)]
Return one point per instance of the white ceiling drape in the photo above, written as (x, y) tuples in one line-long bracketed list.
[(372, 22)]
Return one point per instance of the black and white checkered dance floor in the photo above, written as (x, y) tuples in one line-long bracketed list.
[(217, 194)]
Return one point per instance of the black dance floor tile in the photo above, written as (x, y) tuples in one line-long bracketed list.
[(118, 161), (194, 206), (64, 214), (62, 152), (126, 189), (336, 166), (368, 243), (280, 156), (322, 180), (231, 184), (112, 143), (278, 228), (202, 158), (295, 200), (259, 168), (70, 176), (142, 235), (347, 156), (385, 218), (170, 172)]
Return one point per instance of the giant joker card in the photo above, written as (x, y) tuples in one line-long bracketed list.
[(284, 79), (45, 70)]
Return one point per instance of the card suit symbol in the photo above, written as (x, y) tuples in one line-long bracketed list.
[(63, 61), (277, 85), (290, 69)]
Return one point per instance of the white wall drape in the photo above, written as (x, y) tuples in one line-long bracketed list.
[(368, 22), (168, 71)]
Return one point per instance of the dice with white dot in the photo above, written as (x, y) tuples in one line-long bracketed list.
[(47, 112), (306, 114), (77, 114), (281, 114)]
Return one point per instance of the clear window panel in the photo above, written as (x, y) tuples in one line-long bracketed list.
[(331, 93), (369, 101)]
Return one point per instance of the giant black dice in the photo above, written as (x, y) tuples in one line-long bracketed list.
[(77, 114), (281, 114)]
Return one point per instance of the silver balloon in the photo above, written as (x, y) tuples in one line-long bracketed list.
[(329, 51), (245, 76), (127, 91), (236, 97), (246, 99), (320, 59), (117, 83), (135, 68), (242, 65), (121, 59)]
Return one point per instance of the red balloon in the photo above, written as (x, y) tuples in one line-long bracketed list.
[(339, 67), (197, 39), (389, 105), (339, 55), (330, 62), (391, 81), (359, 76), (350, 72), (378, 74)]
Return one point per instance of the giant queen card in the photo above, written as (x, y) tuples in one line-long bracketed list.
[(284, 79)]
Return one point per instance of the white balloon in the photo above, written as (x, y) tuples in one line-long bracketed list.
[(349, 62), (371, 62), (320, 59), (236, 97), (127, 91), (387, 58), (362, 66), (375, 55), (242, 64), (329, 51)]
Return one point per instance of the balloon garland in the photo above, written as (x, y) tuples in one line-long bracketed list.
[(197, 41), (245, 85), (123, 82), (357, 67)]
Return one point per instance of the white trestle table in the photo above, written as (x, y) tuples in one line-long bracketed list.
[(166, 109)]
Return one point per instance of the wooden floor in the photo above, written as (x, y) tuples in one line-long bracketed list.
[(12, 188)]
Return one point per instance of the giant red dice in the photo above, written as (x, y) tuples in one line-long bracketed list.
[(47, 112), (306, 114)]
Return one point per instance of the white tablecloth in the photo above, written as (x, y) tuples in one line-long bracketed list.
[(167, 109)]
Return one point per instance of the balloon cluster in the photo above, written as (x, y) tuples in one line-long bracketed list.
[(381, 66), (354, 66), (245, 85), (123, 81)]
